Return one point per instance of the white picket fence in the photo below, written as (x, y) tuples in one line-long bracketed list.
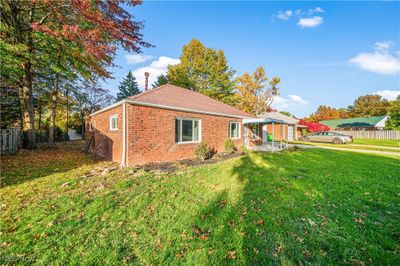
[(374, 134), (10, 140)]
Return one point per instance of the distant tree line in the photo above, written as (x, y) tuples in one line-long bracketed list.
[(363, 106)]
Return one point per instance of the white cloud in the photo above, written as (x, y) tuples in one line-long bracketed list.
[(132, 59), (310, 22), (383, 46), (285, 15), (315, 10), (156, 68), (390, 95), (289, 104), (297, 99), (380, 61)]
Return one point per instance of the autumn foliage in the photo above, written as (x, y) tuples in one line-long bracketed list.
[(313, 126), (98, 28)]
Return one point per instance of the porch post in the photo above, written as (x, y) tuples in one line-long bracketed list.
[(287, 135), (273, 136), (280, 141)]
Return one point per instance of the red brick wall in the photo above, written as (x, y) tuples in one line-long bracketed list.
[(107, 143), (151, 134)]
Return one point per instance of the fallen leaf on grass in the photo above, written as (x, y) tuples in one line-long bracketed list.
[(232, 254), (203, 237), (358, 220), (179, 255), (259, 222), (357, 262), (306, 253)]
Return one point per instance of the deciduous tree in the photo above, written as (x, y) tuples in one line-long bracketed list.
[(204, 70), (370, 105), (93, 30), (254, 93), (324, 113)]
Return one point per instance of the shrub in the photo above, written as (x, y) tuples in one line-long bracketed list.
[(202, 151), (244, 149), (229, 146)]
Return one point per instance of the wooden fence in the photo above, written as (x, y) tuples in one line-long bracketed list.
[(10, 140), (374, 134)]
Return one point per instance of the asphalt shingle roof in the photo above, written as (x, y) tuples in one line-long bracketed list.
[(279, 116), (174, 96)]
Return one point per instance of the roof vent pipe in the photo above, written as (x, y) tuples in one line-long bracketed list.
[(146, 80)]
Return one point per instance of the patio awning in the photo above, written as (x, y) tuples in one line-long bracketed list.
[(262, 121)]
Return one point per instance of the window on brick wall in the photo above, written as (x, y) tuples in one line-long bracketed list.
[(114, 122), (187, 130), (234, 130)]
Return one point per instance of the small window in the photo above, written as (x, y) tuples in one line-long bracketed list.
[(234, 130), (187, 130), (114, 122), (90, 126)]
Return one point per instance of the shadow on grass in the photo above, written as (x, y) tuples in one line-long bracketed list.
[(28, 165), (305, 207)]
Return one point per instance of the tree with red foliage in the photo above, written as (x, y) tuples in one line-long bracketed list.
[(313, 126), (88, 31)]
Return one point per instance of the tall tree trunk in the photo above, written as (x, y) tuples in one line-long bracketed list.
[(28, 115), (54, 98), (83, 124), (28, 108), (66, 136)]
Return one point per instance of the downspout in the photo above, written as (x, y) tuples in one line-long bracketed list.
[(123, 159)]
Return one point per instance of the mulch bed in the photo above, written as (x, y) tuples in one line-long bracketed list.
[(171, 167)]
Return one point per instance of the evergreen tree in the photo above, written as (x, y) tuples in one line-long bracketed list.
[(128, 87), (161, 80)]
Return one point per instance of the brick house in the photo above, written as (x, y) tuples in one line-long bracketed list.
[(164, 124)]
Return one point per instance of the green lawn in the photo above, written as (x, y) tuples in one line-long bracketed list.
[(303, 207), (378, 142)]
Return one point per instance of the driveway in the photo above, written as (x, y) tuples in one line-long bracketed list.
[(344, 149)]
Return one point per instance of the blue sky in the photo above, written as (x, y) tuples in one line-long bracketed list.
[(324, 52)]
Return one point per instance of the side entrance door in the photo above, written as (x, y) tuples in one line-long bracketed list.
[(264, 134)]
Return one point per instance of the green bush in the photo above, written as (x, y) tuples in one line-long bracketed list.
[(202, 151), (229, 146), (244, 149)]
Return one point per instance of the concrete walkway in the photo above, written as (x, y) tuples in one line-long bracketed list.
[(345, 149), (375, 146)]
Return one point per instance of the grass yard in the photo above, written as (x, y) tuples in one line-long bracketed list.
[(378, 142), (304, 207)]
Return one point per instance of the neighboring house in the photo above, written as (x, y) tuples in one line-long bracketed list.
[(357, 124), (164, 124), (292, 130)]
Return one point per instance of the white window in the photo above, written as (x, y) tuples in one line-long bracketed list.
[(114, 122), (187, 130), (234, 130)]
